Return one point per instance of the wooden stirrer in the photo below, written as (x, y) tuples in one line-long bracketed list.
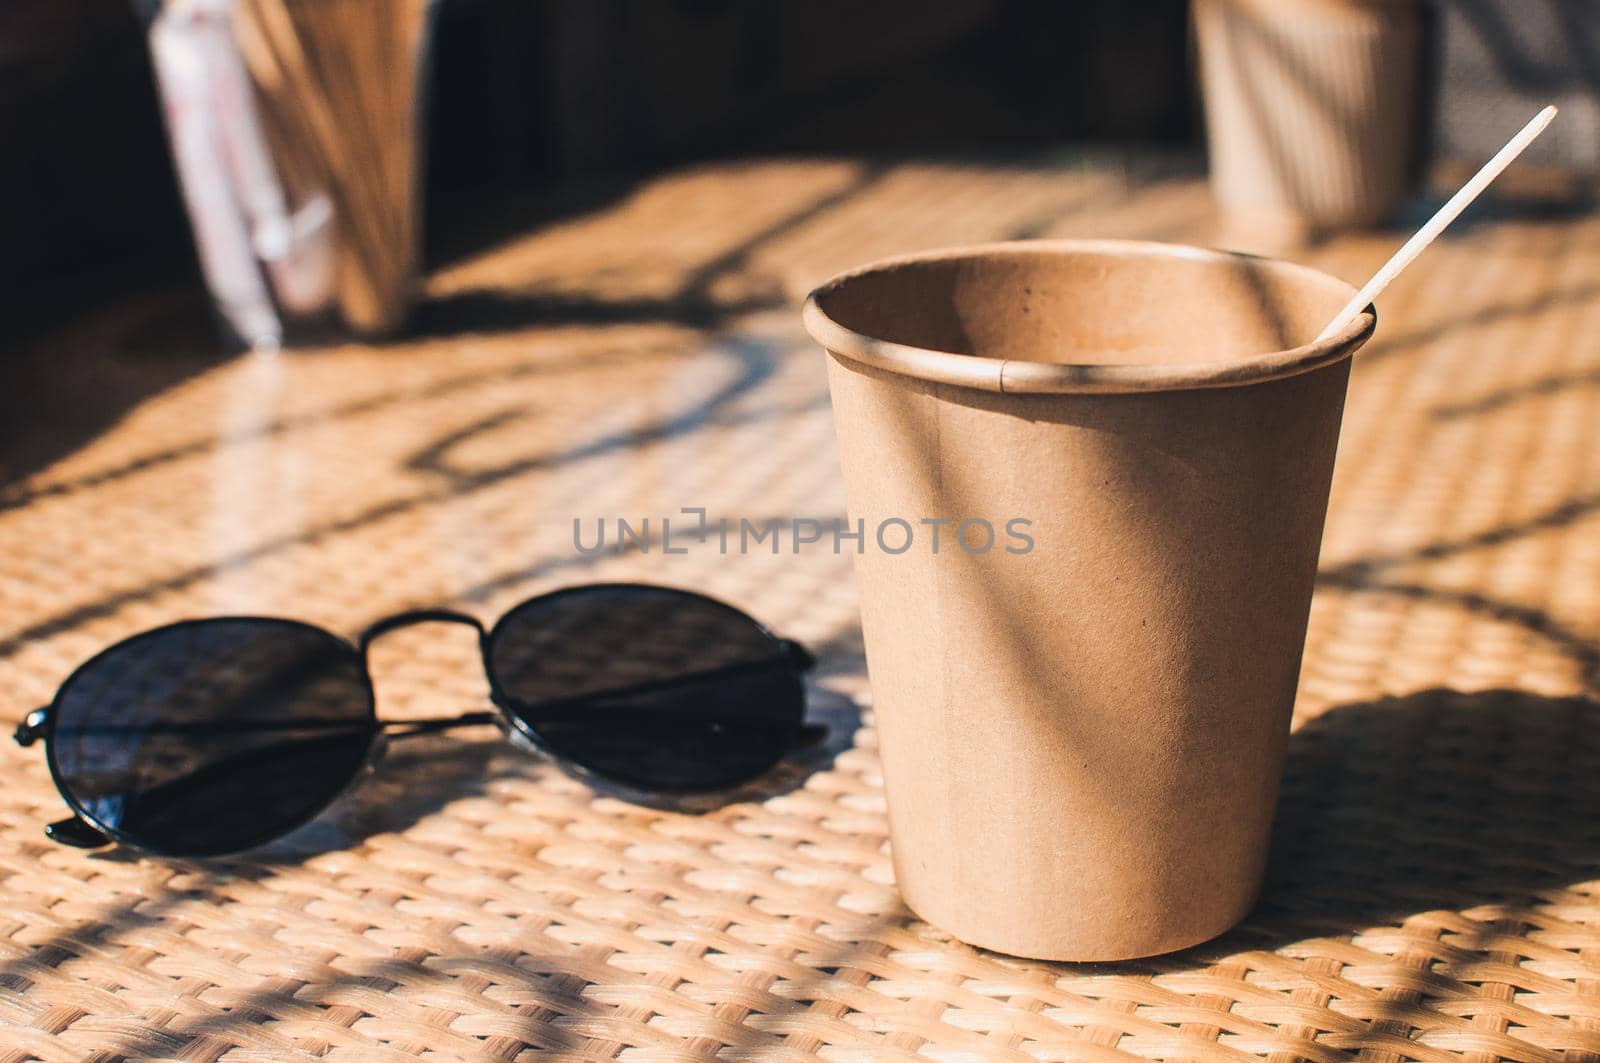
[(1439, 222)]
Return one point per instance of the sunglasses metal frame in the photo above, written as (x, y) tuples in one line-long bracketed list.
[(84, 830)]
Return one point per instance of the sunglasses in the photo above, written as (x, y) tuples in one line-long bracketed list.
[(214, 736)]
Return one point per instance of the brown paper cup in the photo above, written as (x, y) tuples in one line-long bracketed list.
[(1082, 741), (1309, 105)]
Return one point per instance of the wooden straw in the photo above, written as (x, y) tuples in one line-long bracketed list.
[(1439, 222)]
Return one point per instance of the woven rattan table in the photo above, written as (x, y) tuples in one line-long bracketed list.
[(1435, 887)]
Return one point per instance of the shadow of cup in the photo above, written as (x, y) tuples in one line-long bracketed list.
[(1441, 800)]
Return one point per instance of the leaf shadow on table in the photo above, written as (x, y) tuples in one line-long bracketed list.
[(753, 361)]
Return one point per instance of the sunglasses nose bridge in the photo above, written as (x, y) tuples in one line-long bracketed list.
[(413, 617)]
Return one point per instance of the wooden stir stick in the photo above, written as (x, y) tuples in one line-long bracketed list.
[(1439, 222)]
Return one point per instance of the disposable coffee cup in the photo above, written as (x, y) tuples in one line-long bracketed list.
[(1310, 106), (1083, 712)]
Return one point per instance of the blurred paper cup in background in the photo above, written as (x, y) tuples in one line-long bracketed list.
[(1082, 741), (1310, 106)]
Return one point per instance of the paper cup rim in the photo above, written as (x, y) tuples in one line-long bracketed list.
[(1013, 376)]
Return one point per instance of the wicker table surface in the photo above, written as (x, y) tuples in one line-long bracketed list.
[(1435, 887)]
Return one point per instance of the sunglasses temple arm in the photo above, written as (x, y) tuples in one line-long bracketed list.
[(411, 728), (810, 734), (393, 728), (77, 833)]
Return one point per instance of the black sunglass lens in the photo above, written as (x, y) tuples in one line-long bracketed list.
[(213, 736), (651, 687)]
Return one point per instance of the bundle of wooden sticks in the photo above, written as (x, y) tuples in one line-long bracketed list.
[(338, 84)]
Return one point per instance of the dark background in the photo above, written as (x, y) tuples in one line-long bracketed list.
[(546, 105), (531, 95)]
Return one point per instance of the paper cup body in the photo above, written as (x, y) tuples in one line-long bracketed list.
[(1310, 106), (1083, 724)]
